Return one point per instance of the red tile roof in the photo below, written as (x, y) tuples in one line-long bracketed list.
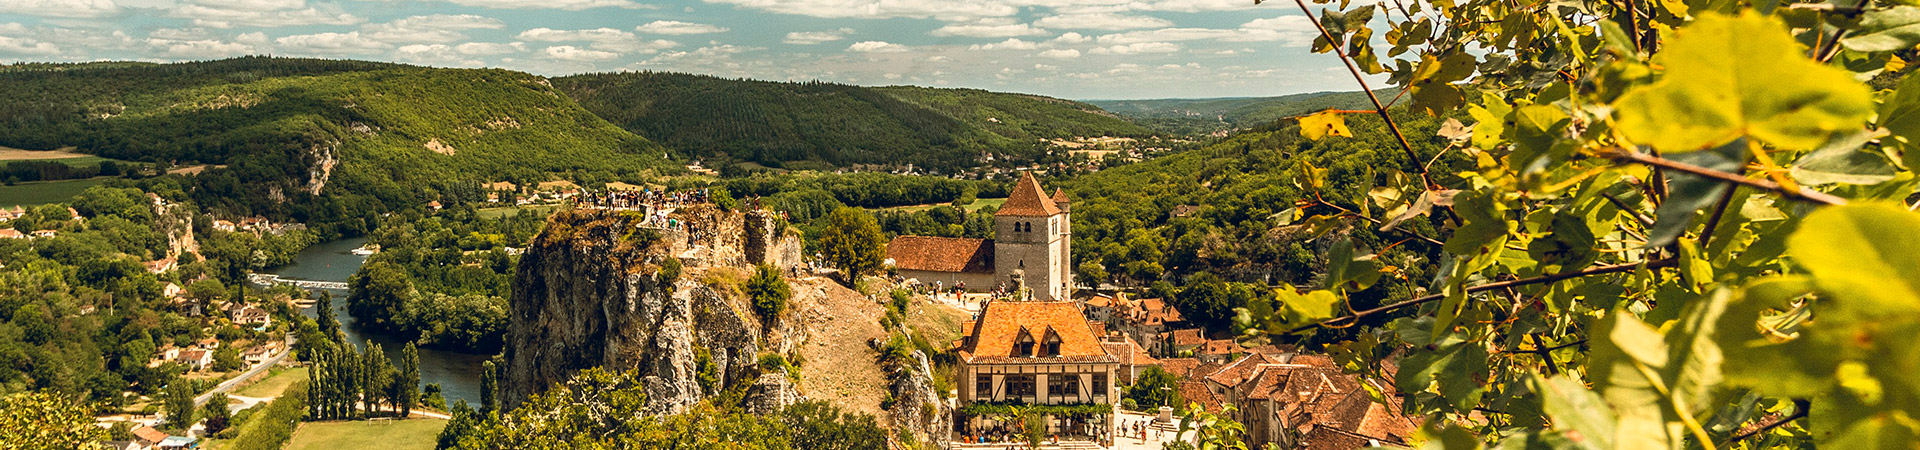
[(1186, 338), (1060, 196), (1129, 352), (1220, 347), (149, 434), (1196, 392), (1180, 366), (1240, 370), (1003, 321), (1028, 200), (941, 254)]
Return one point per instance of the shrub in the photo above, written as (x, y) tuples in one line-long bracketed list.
[(768, 291)]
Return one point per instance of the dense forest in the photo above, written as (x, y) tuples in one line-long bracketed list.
[(816, 125), (442, 280), (1204, 115), (330, 143)]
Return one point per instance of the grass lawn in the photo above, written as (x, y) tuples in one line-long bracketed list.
[(977, 204), (44, 192), (382, 434), (504, 211), (274, 384)]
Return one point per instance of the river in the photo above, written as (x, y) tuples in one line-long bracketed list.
[(457, 373)]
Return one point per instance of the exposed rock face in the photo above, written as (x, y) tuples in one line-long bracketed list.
[(593, 290), (769, 243), (917, 407), (771, 393)]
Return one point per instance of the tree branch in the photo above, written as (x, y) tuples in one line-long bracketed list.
[(1808, 195), (1595, 270), (1800, 407), (1377, 106)]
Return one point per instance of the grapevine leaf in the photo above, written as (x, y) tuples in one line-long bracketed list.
[(1322, 124), (1432, 85), (1452, 369), (1693, 359), (1866, 255), (1485, 224), (1843, 161), (1538, 127), (1310, 307), (1579, 413), (1885, 30), (1615, 366), (1732, 76), (1900, 114)]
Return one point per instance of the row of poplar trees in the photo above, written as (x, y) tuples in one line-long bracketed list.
[(349, 384)]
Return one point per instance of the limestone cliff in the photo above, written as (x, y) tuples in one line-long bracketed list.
[(601, 288)]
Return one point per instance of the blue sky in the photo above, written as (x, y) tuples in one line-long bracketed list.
[(1083, 49)]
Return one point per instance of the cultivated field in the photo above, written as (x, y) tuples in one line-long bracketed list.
[(44, 192), (14, 154)]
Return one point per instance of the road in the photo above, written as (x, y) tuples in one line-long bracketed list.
[(228, 385)]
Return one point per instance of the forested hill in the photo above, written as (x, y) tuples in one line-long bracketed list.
[(1177, 115), (819, 125), (361, 132)]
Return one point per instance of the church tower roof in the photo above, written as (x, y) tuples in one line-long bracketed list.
[(1028, 200), (1060, 196)]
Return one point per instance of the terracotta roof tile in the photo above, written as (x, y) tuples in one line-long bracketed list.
[(1129, 352), (1240, 370), (941, 254), (1100, 301), (1187, 337), (1099, 328), (1197, 392), (1028, 200), (1060, 196), (1002, 322), (1182, 367), (1221, 347)]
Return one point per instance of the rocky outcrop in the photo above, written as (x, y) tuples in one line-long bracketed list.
[(598, 289), (917, 407), (771, 393), (770, 242)]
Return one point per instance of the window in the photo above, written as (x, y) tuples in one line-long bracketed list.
[(1052, 347), (1063, 385), (1100, 383), (983, 386), (1020, 385), (1023, 344)]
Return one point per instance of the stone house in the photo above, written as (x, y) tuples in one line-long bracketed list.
[(1131, 357), (1031, 248), (1301, 401)]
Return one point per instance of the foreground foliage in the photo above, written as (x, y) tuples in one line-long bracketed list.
[(598, 409), (1683, 228)]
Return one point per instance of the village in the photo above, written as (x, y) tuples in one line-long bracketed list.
[(1037, 340)]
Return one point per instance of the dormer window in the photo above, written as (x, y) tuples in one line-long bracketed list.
[(1051, 345), (1023, 343)]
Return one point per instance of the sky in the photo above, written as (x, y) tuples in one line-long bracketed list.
[(1079, 49)]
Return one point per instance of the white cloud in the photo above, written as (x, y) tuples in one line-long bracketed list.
[(1060, 53), (1070, 38), (1137, 48), (435, 55), (703, 55), (989, 30), (1009, 44), (61, 8), (876, 47), (1102, 22), (438, 28), (570, 5), (331, 43), (880, 9), (571, 53), (200, 49), (1190, 5), (489, 48), (27, 47), (260, 13), (677, 27), (817, 37), (1290, 30), (607, 39)]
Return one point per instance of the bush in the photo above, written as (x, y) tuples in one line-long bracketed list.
[(769, 292), (272, 426)]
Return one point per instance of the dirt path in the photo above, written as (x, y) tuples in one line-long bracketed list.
[(14, 154), (839, 366)]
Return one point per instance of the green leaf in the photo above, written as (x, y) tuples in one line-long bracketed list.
[(1885, 30), (1843, 160), (1640, 410), (1453, 369), (1900, 114), (1538, 128), (1432, 84), (1348, 271), (1579, 413), (1733, 76), (1866, 254), (1689, 195), (1485, 224), (1313, 306)]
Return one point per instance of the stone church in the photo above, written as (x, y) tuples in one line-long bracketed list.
[(1031, 248)]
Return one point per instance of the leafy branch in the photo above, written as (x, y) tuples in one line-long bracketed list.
[(1350, 319)]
